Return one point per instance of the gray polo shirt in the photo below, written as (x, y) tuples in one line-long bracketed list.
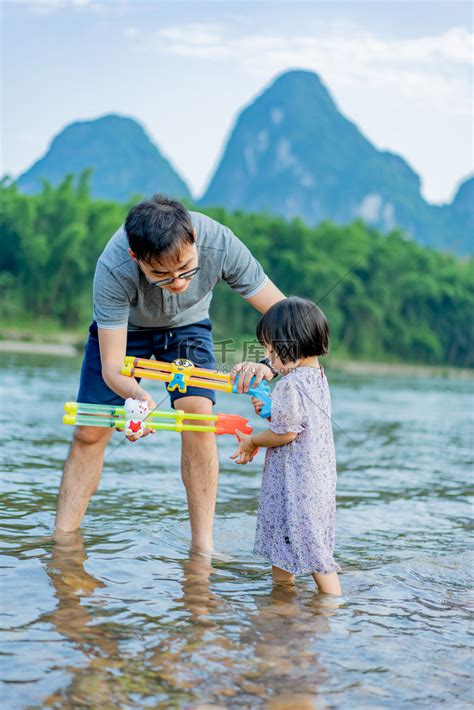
[(124, 298)]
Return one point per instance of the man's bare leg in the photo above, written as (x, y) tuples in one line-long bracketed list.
[(199, 468), (81, 475), (199, 471)]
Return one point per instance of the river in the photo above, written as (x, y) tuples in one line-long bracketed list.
[(120, 615)]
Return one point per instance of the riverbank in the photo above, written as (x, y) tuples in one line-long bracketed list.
[(381, 369), (41, 339), (71, 345), (34, 348)]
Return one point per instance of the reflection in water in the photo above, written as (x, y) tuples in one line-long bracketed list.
[(257, 664), (72, 619), (121, 615), (71, 583), (284, 633)]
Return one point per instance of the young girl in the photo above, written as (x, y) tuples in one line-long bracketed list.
[(296, 514)]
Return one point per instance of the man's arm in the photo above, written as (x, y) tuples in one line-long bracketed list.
[(113, 344), (262, 301), (266, 297), (245, 274)]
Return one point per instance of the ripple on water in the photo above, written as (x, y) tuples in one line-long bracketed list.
[(120, 614)]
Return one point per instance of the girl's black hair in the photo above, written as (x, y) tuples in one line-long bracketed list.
[(294, 328), (158, 227)]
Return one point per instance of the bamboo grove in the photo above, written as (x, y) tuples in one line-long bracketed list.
[(386, 297)]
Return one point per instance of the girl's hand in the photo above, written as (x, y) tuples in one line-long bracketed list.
[(246, 449), (257, 405)]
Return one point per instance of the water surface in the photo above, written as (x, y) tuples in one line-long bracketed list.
[(120, 615)]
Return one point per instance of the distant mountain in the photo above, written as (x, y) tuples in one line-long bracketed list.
[(292, 153), (123, 159), (462, 206)]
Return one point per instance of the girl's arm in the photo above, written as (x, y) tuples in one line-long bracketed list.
[(249, 443), (286, 413), (269, 438)]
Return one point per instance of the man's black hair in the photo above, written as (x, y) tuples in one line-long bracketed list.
[(158, 227), (294, 328)]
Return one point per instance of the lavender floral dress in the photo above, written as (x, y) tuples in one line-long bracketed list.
[(297, 507)]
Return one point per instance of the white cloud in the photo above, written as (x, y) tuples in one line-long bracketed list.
[(435, 68), (195, 34), (49, 7), (453, 45), (131, 32)]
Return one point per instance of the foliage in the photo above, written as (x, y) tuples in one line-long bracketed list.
[(386, 297), (51, 243)]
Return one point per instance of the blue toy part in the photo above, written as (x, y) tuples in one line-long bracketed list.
[(178, 382), (262, 392)]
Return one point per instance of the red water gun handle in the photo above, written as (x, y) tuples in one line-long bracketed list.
[(228, 423)]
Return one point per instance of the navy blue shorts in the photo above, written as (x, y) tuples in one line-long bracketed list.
[(192, 342)]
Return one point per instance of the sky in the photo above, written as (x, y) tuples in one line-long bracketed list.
[(400, 69)]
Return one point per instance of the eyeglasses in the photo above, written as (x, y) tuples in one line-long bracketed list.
[(187, 275)]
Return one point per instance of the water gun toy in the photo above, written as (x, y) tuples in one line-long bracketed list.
[(181, 374), (133, 418)]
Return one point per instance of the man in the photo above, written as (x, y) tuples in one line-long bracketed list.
[(152, 289)]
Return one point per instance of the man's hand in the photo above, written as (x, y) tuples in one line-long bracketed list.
[(247, 370), (144, 396), (246, 449)]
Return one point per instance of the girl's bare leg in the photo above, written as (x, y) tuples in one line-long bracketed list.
[(327, 583), (281, 576)]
